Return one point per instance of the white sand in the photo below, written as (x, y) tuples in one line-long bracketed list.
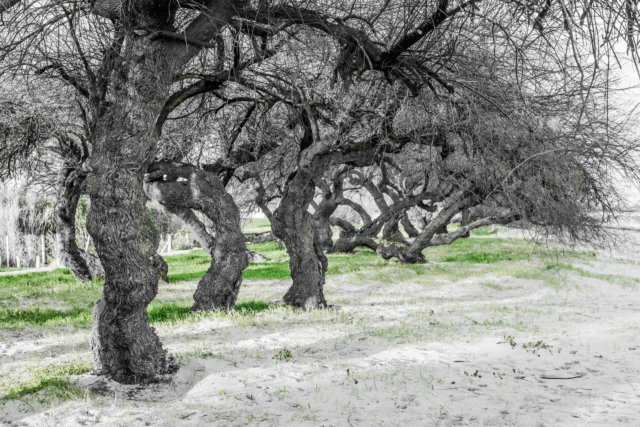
[(402, 354)]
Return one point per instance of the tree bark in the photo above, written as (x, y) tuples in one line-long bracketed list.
[(324, 232), (296, 227), (454, 204), (182, 187), (70, 189), (124, 346)]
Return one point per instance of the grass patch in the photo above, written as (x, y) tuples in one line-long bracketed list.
[(172, 312), (627, 282), (52, 379), (38, 279), (483, 251), (168, 312), (252, 307), (39, 316), (493, 323), (485, 257), (192, 266), (267, 271), (260, 271), (487, 251), (481, 232), (159, 312), (535, 346), (54, 298), (283, 355)]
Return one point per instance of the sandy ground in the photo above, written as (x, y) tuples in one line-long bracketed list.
[(475, 351)]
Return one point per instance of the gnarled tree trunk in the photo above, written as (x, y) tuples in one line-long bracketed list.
[(70, 189), (182, 187), (83, 265), (124, 346), (296, 227)]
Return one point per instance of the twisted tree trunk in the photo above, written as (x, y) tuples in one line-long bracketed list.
[(182, 188), (124, 346), (296, 227), (69, 191)]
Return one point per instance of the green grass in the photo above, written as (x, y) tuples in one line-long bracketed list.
[(283, 355), (192, 266), (493, 250), (168, 312), (267, 271), (54, 298), (483, 232), (35, 279), (627, 282), (252, 307), (35, 288), (39, 316), (54, 380), (159, 312)]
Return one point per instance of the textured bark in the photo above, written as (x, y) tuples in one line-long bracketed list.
[(180, 187), (332, 197), (391, 231), (408, 226), (124, 346), (83, 265), (347, 244), (70, 189), (296, 227), (454, 204)]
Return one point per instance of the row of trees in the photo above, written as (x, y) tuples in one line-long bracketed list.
[(493, 110)]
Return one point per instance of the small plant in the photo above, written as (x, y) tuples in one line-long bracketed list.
[(283, 355), (282, 393), (535, 346), (509, 339)]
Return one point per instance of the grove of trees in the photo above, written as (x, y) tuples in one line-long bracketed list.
[(490, 111)]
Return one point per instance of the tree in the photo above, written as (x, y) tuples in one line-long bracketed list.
[(183, 188), (39, 142), (132, 64)]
